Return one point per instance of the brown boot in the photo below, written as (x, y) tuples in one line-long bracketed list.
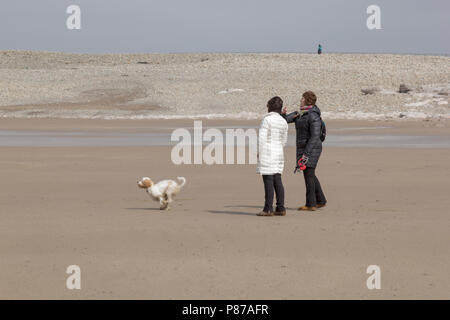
[(305, 208), (280, 213), (321, 205), (265, 214)]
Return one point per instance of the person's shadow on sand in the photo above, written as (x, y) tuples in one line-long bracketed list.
[(232, 212), (241, 212), (210, 211), (238, 212)]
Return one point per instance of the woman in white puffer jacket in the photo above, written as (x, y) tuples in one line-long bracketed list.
[(273, 134)]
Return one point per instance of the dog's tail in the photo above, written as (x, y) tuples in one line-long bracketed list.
[(182, 181)]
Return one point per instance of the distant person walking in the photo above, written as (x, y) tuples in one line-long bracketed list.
[(319, 50), (311, 132), (273, 134)]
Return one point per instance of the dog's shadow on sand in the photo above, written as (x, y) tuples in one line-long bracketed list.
[(144, 209)]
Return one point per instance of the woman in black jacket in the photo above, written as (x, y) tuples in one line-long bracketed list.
[(308, 124)]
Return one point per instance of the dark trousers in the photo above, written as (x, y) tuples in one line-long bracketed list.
[(273, 183), (314, 193)]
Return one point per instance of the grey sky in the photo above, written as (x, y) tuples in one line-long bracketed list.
[(408, 26)]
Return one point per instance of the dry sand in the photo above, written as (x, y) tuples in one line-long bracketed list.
[(146, 86), (79, 205)]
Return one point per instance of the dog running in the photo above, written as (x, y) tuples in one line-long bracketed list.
[(163, 191)]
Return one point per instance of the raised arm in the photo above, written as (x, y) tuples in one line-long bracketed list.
[(290, 117)]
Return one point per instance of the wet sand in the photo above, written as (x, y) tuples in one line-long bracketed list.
[(80, 205), (104, 133)]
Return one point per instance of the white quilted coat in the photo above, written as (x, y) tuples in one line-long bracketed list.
[(273, 134)]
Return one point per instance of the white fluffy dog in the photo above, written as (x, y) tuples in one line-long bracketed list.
[(163, 191)]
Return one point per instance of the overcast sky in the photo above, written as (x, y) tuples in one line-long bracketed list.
[(408, 26)]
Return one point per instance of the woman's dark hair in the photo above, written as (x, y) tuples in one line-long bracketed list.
[(275, 104), (310, 98)]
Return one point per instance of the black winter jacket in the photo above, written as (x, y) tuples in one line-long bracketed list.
[(308, 126)]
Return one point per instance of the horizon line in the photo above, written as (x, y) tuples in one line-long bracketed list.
[(227, 52)]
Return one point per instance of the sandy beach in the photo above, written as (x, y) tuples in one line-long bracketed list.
[(79, 205), (78, 130), (218, 86)]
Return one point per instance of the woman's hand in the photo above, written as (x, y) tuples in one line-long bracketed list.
[(284, 111), (304, 159)]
